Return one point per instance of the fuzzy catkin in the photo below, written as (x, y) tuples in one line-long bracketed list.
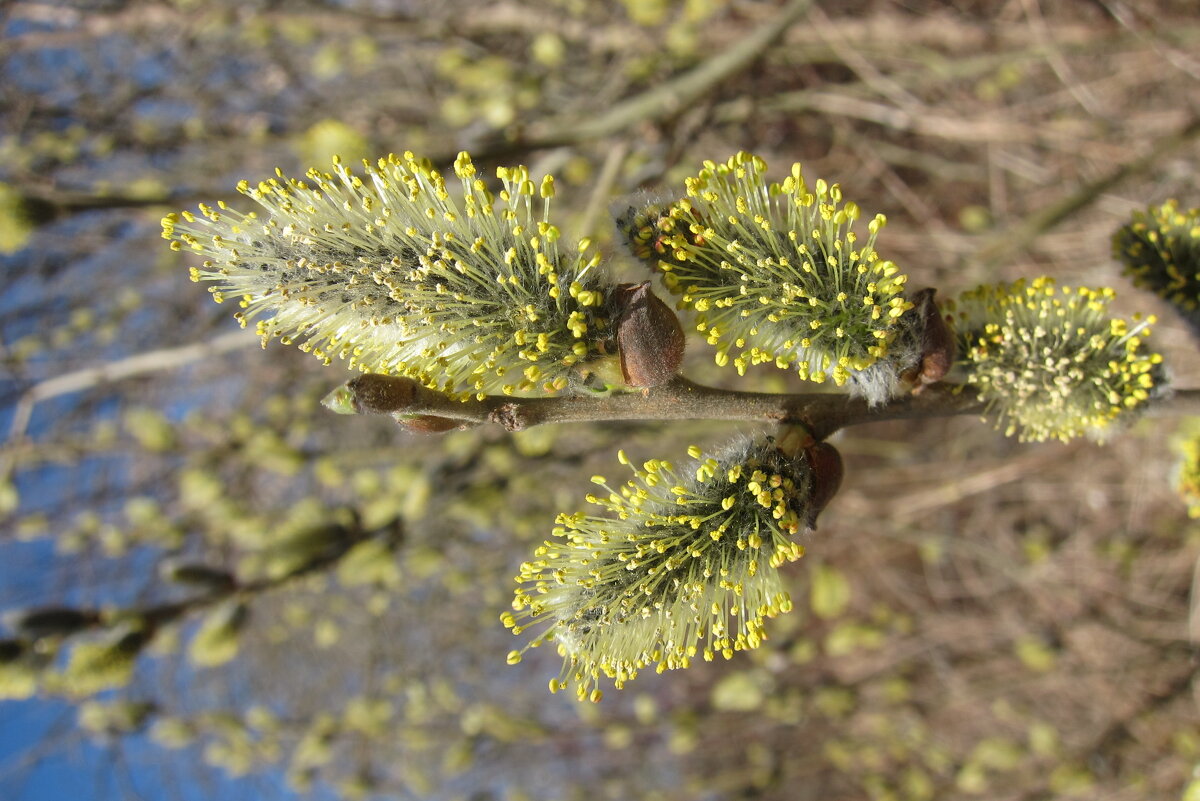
[(1048, 362), (679, 567), (1160, 248), (774, 272), (394, 273)]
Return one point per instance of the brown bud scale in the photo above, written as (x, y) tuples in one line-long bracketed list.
[(938, 347), (649, 336), (827, 470), (428, 423)]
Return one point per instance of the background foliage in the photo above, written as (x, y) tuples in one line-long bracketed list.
[(975, 618)]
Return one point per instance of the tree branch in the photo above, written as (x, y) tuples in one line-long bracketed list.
[(137, 364), (662, 101), (679, 399), (1179, 403), (1001, 246)]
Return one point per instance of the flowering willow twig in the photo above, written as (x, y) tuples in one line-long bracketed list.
[(464, 310)]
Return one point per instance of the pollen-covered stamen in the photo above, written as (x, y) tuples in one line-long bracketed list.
[(773, 270), (1048, 362), (679, 567), (466, 292)]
